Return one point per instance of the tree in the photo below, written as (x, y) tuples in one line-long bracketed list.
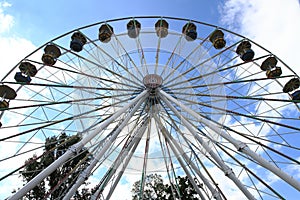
[(186, 189), (53, 186), (155, 189)]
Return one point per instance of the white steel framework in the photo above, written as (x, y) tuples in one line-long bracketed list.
[(180, 101)]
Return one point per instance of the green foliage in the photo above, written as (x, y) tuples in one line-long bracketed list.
[(185, 188), (155, 189), (53, 185)]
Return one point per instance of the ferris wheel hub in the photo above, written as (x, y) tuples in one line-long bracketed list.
[(152, 81)]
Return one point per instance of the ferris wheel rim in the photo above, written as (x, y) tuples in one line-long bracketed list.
[(127, 80)]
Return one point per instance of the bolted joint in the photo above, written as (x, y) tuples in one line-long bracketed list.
[(216, 194), (84, 175), (241, 146), (75, 148), (228, 171)]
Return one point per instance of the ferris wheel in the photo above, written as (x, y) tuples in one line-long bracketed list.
[(156, 95)]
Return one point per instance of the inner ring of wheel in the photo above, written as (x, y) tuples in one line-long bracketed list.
[(151, 76)]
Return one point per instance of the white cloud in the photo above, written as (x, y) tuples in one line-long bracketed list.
[(295, 169), (274, 24), (6, 21), (12, 50)]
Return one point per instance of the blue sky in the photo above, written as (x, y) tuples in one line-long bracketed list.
[(26, 25), (52, 19)]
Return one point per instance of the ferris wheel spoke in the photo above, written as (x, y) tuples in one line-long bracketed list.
[(262, 115), (175, 68), (83, 175), (119, 175), (201, 63), (127, 55), (61, 102), (34, 158), (234, 99), (166, 154), (183, 142), (145, 159), (135, 139), (118, 75), (256, 80), (231, 112), (275, 135), (49, 124), (212, 190), (256, 118), (79, 145), (214, 72), (178, 151), (262, 142), (19, 154), (172, 55), (223, 148), (67, 175), (235, 142), (157, 54), (82, 71), (141, 54), (40, 121), (240, 164), (190, 144), (131, 143)]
